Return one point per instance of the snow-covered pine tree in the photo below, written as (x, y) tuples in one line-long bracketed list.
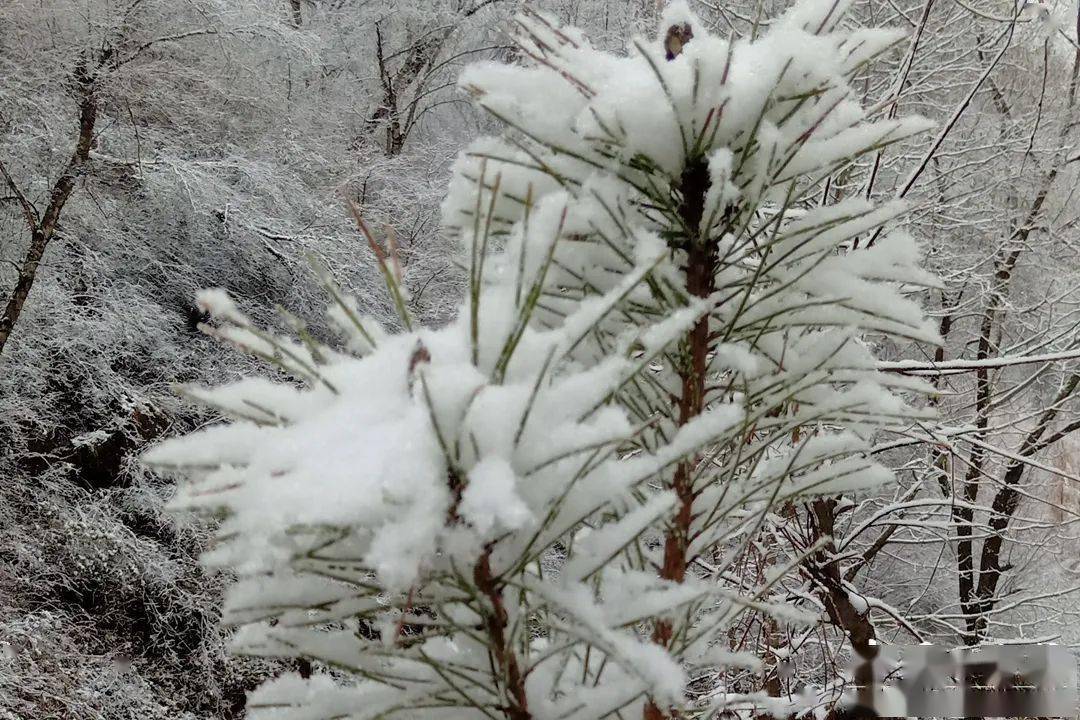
[(538, 510)]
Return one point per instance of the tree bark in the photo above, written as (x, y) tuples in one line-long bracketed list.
[(978, 593), (503, 655), (824, 568), (700, 272), (43, 229)]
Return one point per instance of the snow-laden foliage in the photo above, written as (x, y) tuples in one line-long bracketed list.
[(661, 345)]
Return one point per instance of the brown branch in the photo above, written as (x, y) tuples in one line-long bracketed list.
[(495, 620), (140, 49), (478, 7), (871, 552), (28, 210), (909, 62)]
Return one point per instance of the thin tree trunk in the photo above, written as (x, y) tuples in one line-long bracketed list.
[(842, 612), (43, 228), (700, 270), (700, 273), (978, 591)]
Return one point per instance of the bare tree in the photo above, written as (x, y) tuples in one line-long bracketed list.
[(409, 77), (42, 226)]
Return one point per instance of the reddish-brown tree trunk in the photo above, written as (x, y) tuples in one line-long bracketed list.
[(700, 271)]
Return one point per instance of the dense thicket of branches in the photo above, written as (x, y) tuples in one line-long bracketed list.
[(149, 148)]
